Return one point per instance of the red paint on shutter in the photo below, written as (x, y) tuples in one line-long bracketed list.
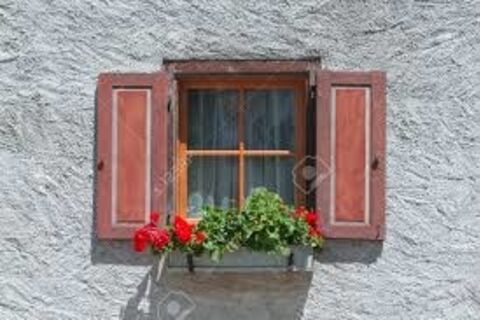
[(351, 143), (132, 109), (131, 151), (350, 154)]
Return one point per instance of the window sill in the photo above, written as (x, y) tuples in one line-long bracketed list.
[(244, 260)]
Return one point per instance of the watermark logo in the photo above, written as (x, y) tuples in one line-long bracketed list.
[(177, 305), (309, 172)]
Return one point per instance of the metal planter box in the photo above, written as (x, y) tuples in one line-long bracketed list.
[(244, 260)]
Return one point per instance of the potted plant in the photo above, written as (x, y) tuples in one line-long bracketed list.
[(265, 233)]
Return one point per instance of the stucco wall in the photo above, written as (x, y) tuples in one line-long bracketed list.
[(50, 55)]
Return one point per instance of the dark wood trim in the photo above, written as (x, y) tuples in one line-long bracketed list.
[(254, 66), (322, 158), (241, 147), (378, 156), (103, 190), (237, 81), (160, 175)]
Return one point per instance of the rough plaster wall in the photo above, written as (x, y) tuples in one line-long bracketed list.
[(50, 55)]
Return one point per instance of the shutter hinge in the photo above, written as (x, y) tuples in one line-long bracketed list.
[(313, 92), (169, 105)]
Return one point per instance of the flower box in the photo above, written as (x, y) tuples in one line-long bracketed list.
[(265, 224), (244, 260)]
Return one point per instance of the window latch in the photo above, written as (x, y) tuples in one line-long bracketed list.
[(313, 92), (375, 163)]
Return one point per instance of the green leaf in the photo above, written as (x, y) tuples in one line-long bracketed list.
[(264, 224)]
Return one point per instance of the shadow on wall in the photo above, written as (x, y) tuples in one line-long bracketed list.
[(267, 295), (335, 251), (349, 251), (212, 296), (119, 252)]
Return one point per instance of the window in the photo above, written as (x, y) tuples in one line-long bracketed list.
[(237, 133), (241, 124)]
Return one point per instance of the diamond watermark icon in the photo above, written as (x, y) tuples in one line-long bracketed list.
[(177, 305), (309, 172)]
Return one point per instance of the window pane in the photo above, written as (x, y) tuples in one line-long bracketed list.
[(212, 119), (211, 181), (273, 173), (270, 119)]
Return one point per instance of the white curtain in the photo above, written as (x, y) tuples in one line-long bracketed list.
[(212, 181), (269, 119), (270, 125), (212, 124), (212, 119)]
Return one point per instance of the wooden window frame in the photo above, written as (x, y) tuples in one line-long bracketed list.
[(240, 83), (307, 66)]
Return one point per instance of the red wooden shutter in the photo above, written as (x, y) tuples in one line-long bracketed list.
[(351, 154), (131, 151)]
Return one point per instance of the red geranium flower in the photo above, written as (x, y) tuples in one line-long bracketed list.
[(150, 235), (154, 217), (300, 212), (314, 232), (160, 238), (319, 227), (311, 218), (183, 230), (200, 236), (141, 239)]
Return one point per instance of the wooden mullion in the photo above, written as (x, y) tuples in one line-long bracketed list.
[(241, 145), (269, 153), (182, 163), (245, 152), (217, 152), (300, 136)]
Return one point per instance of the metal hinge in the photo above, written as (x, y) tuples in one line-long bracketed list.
[(313, 92), (169, 105)]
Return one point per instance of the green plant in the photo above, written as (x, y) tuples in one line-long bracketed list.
[(224, 230), (265, 224), (269, 225)]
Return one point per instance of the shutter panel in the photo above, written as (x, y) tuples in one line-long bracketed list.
[(351, 154), (131, 151)]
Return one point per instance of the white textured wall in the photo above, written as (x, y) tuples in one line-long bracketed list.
[(50, 55)]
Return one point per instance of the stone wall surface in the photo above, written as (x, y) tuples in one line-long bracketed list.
[(51, 266)]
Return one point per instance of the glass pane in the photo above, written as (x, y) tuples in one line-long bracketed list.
[(211, 181), (270, 119), (212, 119), (273, 173)]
